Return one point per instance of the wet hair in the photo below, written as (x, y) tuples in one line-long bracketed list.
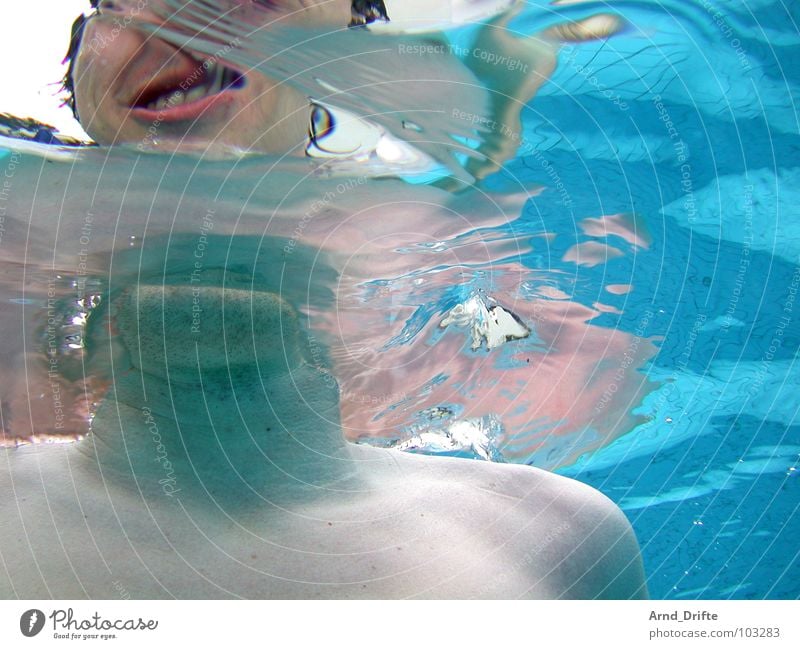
[(364, 12), (68, 82)]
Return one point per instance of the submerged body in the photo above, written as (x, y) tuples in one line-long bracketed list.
[(417, 527), (216, 464), (238, 484), (208, 477)]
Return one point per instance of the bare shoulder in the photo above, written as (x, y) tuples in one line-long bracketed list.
[(562, 537)]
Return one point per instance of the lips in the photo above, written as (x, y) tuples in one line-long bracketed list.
[(185, 91)]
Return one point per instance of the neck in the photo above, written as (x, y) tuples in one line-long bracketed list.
[(234, 414)]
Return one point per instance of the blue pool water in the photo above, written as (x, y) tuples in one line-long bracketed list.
[(645, 231), (710, 481)]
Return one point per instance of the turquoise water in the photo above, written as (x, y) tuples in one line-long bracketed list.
[(710, 482), (644, 232)]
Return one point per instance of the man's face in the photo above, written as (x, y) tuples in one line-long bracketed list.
[(135, 88)]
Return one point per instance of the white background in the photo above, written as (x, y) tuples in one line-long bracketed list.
[(411, 624), (34, 37)]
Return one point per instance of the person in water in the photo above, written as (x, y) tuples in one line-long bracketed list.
[(126, 86), (216, 465)]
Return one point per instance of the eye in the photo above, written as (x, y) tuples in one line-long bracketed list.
[(105, 5), (322, 123)]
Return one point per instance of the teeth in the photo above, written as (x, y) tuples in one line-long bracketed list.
[(176, 98), (196, 93), (218, 79)]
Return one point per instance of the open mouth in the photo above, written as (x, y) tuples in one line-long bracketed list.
[(182, 95)]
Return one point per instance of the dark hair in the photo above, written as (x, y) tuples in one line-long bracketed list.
[(68, 83)]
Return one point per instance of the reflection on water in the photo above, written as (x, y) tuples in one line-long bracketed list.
[(421, 303), (562, 391), (49, 389)]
